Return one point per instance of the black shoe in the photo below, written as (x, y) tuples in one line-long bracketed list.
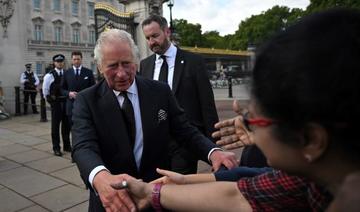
[(67, 149), (57, 153), (35, 112)]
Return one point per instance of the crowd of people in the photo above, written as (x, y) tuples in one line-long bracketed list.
[(138, 133)]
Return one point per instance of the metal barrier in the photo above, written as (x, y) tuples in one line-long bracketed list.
[(18, 103)]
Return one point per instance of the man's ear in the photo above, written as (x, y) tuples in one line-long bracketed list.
[(316, 142)]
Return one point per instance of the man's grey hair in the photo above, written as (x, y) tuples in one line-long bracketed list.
[(111, 35)]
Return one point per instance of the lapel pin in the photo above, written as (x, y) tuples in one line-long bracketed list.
[(182, 61)]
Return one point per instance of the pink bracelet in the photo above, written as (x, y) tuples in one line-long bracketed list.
[(155, 198)]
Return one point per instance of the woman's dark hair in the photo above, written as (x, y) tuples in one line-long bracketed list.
[(311, 73)]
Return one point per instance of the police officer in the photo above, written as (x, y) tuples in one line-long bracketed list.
[(30, 81), (52, 93)]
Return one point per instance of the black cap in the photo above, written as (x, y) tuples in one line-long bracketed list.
[(28, 65), (59, 58)]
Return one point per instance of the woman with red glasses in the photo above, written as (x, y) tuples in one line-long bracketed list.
[(303, 115)]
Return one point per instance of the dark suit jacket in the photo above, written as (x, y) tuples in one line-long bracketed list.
[(100, 137), (85, 80), (191, 88)]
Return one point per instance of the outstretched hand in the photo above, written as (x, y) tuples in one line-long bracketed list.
[(169, 177), (139, 191), (232, 133), (111, 199)]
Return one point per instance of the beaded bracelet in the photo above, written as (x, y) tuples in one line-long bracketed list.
[(155, 198)]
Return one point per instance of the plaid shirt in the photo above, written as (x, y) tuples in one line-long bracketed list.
[(277, 191)]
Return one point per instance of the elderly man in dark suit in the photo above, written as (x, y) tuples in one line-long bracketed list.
[(123, 124), (76, 79), (186, 75)]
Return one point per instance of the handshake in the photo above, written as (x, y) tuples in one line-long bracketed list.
[(126, 193)]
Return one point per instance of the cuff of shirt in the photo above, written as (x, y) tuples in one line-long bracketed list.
[(211, 151), (93, 173)]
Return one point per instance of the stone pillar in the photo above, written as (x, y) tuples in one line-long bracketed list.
[(142, 9), (12, 47)]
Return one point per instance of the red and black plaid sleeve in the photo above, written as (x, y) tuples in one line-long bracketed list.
[(278, 191)]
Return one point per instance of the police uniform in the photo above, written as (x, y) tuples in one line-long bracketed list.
[(30, 81), (52, 93)]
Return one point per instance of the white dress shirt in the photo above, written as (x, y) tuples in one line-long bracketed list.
[(77, 68), (48, 79), (170, 59)]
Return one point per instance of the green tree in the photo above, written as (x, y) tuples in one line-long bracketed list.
[(189, 34), (319, 5), (212, 39), (258, 28)]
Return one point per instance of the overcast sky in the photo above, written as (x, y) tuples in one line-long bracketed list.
[(224, 16)]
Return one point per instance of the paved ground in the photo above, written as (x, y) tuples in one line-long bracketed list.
[(33, 179)]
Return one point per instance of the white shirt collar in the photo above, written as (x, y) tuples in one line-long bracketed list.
[(77, 68), (170, 52), (58, 70), (132, 89)]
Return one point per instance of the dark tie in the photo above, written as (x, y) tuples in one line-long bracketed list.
[(128, 112), (60, 74), (164, 70), (77, 73)]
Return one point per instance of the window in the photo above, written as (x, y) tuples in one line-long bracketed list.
[(92, 38), (38, 32), (90, 9), (37, 4), (76, 36), (56, 5), (38, 69), (75, 7), (58, 33)]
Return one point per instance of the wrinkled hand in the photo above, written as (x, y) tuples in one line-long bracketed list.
[(140, 192), (219, 157), (112, 200), (72, 94), (169, 177)]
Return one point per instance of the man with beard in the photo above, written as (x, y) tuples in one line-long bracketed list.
[(186, 75)]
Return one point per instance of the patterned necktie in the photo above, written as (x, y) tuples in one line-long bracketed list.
[(164, 70), (128, 112)]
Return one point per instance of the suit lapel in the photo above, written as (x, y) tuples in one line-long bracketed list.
[(146, 117), (110, 108), (149, 67), (178, 69)]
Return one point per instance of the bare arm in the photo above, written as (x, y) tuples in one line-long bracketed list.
[(214, 196)]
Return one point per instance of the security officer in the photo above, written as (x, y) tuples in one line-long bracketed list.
[(52, 92), (30, 82)]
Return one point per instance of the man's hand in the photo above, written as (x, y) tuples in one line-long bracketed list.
[(112, 200), (140, 192), (72, 94), (219, 157)]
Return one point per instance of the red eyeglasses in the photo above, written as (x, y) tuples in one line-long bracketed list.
[(259, 122)]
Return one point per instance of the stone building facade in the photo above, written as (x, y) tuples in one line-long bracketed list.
[(32, 31)]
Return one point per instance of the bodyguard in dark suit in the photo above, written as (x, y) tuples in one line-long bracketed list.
[(123, 125), (76, 79), (186, 75)]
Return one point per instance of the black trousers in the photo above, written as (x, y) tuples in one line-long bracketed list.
[(58, 116), (32, 95)]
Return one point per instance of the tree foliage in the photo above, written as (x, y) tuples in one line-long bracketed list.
[(255, 29)]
